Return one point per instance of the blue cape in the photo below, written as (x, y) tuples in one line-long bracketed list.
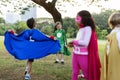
[(22, 48)]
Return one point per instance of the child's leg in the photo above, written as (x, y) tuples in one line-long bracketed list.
[(29, 66), (75, 67), (83, 61), (57, 58), (28, 69), (62, 53), (62, 58)]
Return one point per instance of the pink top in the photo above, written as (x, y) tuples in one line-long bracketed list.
[(83, 38)]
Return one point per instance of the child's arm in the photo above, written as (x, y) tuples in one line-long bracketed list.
[(70, 44), (53, 37), (11, 31), (85, 41), (39, 36), (118, 39)]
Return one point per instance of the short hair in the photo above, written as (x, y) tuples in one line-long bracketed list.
[(31, 23), (114, 19)]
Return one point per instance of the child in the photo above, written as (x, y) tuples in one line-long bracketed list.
[(31, 24), (85, 52), (59, 33), (111, 63), (30, 44)]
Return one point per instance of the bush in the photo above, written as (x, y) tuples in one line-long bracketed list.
[(20, 26), (101, 33)]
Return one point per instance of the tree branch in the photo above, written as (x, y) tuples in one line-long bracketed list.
[(50, 7), (39, 2), (53, 2)]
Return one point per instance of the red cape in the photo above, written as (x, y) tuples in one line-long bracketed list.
[(93, 58)]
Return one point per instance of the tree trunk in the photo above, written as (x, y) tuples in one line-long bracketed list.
[(50, 7)]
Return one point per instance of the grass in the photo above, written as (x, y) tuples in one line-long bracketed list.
[(43, 69), (101, 47)]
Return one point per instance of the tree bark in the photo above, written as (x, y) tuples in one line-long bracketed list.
[(50, 7)]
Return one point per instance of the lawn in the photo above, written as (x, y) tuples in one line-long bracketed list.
[(43, 69)]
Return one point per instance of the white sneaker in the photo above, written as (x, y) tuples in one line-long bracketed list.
[(27, 77), (81, 76)]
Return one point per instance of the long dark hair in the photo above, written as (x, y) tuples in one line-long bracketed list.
[(55, 26), (87, 19)]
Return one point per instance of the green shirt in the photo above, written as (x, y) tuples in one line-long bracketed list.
[(60, 35)]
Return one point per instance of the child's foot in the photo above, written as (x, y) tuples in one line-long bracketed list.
[(62, 62), (56, 62), (27, 77), (25, 72), (81, 76)]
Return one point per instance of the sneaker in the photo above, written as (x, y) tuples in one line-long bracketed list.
[(25, 72), (81, 76), (56, 62), (27, 77), (62, 62)]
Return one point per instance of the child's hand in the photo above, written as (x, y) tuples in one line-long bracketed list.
[(66, 45), (11, 31), (70, 44), (53, 37), (75, 42)]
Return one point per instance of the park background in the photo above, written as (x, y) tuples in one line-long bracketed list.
[(45, 69)]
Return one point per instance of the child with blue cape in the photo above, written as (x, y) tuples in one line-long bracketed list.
[(30, 44)]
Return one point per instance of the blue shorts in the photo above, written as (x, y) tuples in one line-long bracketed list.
[(31, 60)]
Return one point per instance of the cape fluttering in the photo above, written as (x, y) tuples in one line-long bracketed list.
[(21, 47)]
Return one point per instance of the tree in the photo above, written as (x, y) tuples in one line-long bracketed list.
[(2, 26), (49, 6), (101, 19), (19, 26), (70, 27), (2, 20), (46, 27)]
